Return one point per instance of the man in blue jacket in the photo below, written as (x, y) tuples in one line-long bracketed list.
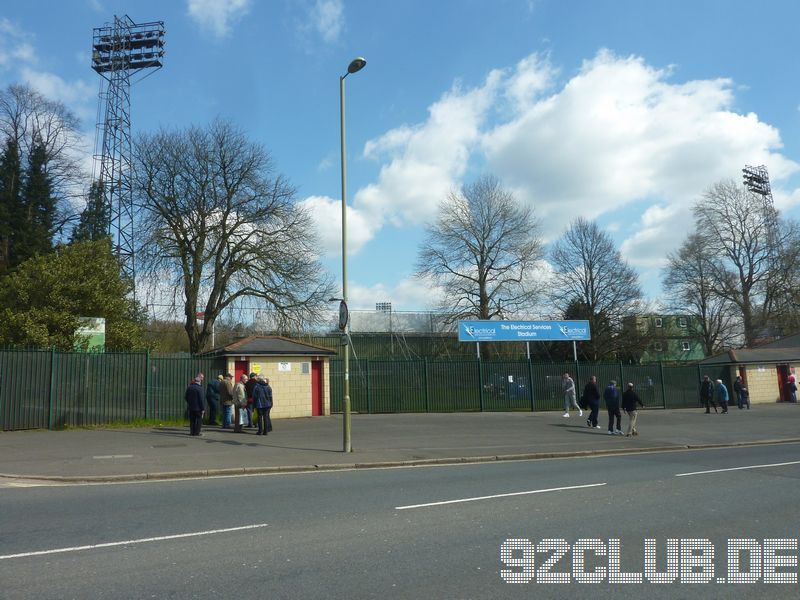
[(195, 404), (611, 396), (262, 401)]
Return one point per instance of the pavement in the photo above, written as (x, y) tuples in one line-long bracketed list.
[(311, 444)]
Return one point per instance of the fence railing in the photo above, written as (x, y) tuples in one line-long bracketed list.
[(45, 389), (425, 385)]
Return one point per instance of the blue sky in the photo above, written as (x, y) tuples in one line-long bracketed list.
[(623, 111)]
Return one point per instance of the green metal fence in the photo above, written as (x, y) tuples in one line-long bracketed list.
[(49, 389), (425, 385)]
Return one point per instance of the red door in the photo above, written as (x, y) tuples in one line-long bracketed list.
[(240, 368), (783, 378), (317, 393)]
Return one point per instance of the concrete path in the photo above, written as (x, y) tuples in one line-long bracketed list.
[(378, 440)]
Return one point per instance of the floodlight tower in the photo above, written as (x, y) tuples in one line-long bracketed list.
[(756, 180), (120, 50)]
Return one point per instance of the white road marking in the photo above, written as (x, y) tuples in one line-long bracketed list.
[(113, 456), (130, 542), (783, 464), (558, 489)]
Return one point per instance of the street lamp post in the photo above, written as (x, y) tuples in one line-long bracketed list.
[(355, 65)]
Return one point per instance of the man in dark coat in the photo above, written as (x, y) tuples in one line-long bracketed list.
[(195, 404), (591, 395), (707, 394), (630, 400), (262, 401), (212, 398), (611, 396), (742, 395)]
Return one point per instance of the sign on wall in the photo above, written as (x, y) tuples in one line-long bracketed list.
[(523, 331), (284, 366)]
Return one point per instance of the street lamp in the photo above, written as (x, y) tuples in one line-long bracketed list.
[(355, 65)]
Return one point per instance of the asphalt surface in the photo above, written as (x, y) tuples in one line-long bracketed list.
[(415, 532), (396, 439)]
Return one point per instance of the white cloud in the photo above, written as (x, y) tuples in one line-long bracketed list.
[(618, 132), (218, 16), (616, 136), (15, 45), (410, 293), (326, 213), (327, 19), (78, 95), (425, 162)]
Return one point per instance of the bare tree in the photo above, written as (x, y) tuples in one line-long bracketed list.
[(689, 288), (755, 255), (593, 280), (221, 228), (481, 252), (31, 119)]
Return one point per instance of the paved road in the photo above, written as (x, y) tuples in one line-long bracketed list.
[(363, 533)]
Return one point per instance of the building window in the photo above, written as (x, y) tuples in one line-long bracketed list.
[(657, 346), (659, 322), (682, 322), (685, 346)]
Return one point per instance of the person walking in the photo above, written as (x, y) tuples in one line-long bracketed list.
[(707, 394), (722, 396), (568, 386), (239, 402), (742, 395), (629, 401), (195, 404), (611, 396), (212, 399), (591, 396), (262, 401)]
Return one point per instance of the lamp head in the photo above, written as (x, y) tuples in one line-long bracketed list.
[(356, 65)]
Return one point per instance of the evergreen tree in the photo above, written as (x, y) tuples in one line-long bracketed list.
[(43, 301), (95, 218), (10, 177), (36, 225)]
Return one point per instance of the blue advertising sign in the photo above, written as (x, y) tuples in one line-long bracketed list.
[(523, 331)]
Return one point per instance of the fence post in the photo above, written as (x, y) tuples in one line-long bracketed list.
[(480, 384), (663, 388), (621, 376), (147, 387), (52, 385), (530, 383), (425, 381), (369, 389)]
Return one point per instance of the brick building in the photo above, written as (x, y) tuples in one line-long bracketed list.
[(765, 368), (299, 372)]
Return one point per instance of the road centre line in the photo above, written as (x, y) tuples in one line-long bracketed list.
[(130, 542), (558, 489), (783, 464), (108, 456)]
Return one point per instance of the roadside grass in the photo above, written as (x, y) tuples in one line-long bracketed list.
[(135, 424)]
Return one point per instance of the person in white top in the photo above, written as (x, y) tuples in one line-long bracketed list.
[(568, 385)]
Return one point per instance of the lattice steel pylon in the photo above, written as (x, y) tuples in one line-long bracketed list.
[(120, 50), (756, 180)]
